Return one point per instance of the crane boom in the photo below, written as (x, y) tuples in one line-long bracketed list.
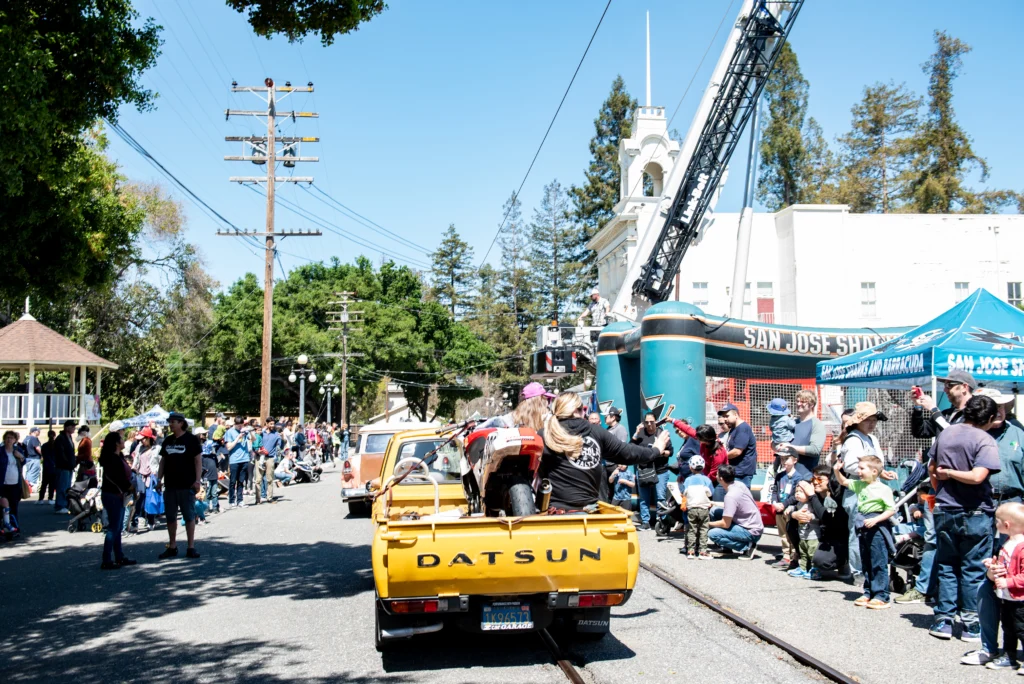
[(742, 71)]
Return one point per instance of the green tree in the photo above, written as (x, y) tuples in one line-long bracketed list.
[(594, 202), (876, 152), (513, 283), (297, 18), (943, 155), (494, 322), (65, 65), (451, 273), (795, 162), (552, 267)]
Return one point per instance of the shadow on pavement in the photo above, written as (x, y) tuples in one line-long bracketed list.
[(63, 616)]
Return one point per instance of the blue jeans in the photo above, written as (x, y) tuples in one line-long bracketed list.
[(928, 580), (735, 538), (651, 495), (213, 495), (63, 485), (33, 471), (113, 504), (964, 542), (849, 504), (236, 483), (874, 554), (285, 478), (268, 470), (746, 480), (988, 614)]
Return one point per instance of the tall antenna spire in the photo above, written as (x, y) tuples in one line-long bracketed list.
[(648, 59)]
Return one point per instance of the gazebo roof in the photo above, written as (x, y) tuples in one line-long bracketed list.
[(28, 341)]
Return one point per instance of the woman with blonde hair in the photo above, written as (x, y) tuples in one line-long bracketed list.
[(532, 410), (576, 449)]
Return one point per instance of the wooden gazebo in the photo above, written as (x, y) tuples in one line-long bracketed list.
[(29, 348)]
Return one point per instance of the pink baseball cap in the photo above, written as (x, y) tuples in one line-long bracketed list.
[(535, 389)]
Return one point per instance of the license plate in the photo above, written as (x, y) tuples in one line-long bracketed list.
[(506, 615)]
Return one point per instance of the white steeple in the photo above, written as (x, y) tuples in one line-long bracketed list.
[(648, 103)]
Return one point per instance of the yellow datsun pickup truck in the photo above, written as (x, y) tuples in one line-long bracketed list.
[(434, 564)]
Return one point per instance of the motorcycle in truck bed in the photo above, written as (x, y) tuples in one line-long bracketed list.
[(435, 563)]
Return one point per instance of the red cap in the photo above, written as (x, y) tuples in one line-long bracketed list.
[(147, 432)]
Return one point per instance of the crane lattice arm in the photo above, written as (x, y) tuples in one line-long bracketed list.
[(762, 36)]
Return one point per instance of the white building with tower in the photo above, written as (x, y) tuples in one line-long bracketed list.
[(809, 265)]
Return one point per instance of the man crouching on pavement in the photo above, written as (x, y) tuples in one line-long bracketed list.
[(181, 463)]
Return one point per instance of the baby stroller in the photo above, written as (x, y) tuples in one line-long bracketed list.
[(909, 551), (671, 511), (84, 506)]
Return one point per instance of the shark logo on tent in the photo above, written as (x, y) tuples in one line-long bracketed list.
[(604, 407), (903, 343), (999, 341)]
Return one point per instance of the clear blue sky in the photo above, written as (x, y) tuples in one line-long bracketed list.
[(430, 114)]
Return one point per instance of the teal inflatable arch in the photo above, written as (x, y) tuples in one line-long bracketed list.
[(662, 365)]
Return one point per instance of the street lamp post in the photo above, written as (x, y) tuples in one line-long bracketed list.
[(328, 389), (300, 373)]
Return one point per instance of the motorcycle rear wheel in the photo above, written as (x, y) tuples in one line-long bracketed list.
[(521, 499)]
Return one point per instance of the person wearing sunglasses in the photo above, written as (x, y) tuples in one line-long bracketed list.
[(927, 421)]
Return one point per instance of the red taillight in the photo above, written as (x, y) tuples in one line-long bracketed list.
[(424, 606), (600, 600)]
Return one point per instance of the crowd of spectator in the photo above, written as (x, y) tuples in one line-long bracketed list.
[(836, 511), (171, 476)]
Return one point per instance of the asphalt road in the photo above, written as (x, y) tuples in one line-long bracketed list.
[(284, 592)]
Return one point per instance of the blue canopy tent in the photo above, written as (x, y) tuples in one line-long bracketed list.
[(982, 335), (157, 415)]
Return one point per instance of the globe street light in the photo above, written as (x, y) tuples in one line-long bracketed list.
[(300, 374), (328, 389)]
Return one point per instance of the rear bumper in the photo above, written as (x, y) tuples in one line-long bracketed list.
[(355, 494)]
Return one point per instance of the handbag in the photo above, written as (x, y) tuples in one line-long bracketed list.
[(26, 490), (646, 475)]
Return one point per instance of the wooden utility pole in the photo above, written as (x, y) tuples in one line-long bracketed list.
[(263, 150), (344, 318)]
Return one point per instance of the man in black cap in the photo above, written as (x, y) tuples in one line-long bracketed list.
[(927, 421), (182, 466), (742, 446)]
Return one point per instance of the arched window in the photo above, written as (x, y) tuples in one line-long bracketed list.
[(653, 180)]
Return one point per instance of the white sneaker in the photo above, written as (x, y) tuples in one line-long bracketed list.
[(44, 501), (62, 511), (242, 505), (978, 657)]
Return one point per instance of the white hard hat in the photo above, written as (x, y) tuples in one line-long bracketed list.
[(697, 462), (595, 291), (116, 426)]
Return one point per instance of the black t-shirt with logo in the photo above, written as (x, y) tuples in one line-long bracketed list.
[(179, 459), (576, 483)]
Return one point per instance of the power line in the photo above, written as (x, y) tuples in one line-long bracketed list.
[(548, 131), (376, 227), (334, 228)]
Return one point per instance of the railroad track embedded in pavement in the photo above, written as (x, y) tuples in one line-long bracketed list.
[(568, 669), (798, 655)]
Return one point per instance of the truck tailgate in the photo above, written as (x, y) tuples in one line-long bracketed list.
[(492, 556)]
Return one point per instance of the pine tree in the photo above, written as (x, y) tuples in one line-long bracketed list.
[(796, 164), (594, 202), (451, 273), (493, 321), (551, 264), (943, 155), (876, 152), (513, 285)]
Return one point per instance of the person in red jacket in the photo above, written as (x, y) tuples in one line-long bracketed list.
[(711, 449), (1007, 574)]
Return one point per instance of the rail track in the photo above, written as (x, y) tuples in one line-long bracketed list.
[(572, 673), (798, 655)]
